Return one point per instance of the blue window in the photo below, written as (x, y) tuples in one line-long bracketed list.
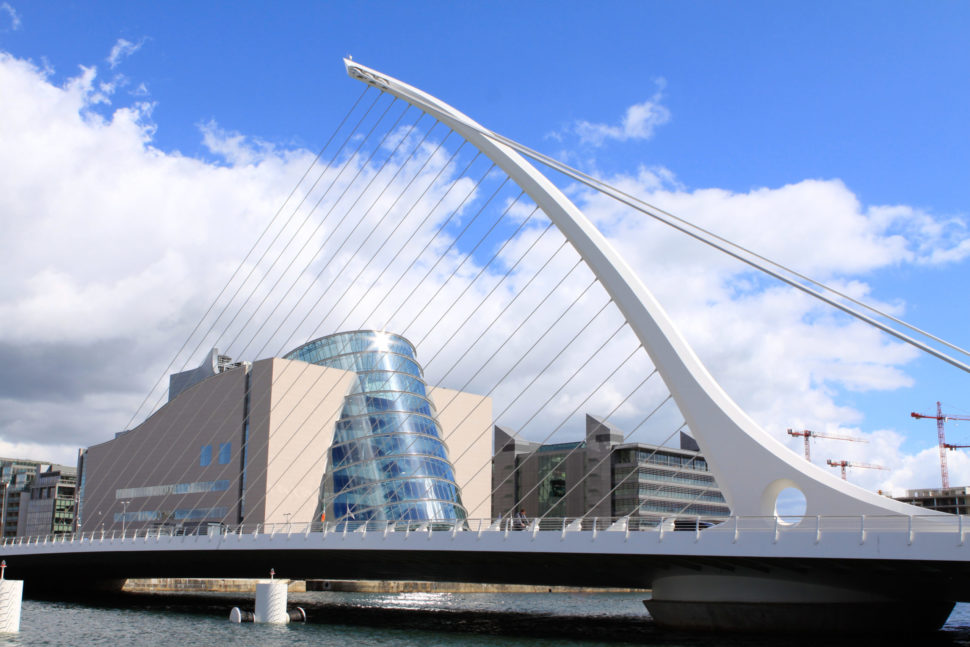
[(224, 450), (205, 456)]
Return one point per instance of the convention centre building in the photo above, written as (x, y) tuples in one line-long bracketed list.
[(342, 428)]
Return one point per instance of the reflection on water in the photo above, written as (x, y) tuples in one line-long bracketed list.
[(558, 604), (406, 619)]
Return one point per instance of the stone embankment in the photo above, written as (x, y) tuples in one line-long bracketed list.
[(185, 584), (159, 585)]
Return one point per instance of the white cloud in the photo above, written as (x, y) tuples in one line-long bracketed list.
[(122, 49), (638, 122), (117, 248), (15, 23), (235, 148)]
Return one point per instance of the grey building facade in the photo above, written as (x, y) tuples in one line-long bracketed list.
[(15, 476), (212, 365), (48, 503), (603, 477)]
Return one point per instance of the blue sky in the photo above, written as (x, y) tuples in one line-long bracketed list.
[(762, 94), (758, 95)]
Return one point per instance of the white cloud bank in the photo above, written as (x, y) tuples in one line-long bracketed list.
[(115, 248)]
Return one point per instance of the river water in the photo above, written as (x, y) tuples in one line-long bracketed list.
[(406, 619)]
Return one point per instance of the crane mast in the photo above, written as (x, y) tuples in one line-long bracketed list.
[(940, 419)]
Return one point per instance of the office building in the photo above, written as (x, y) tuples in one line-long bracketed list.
[(603, 477), (48, 502), (953, 500), (15, 475)]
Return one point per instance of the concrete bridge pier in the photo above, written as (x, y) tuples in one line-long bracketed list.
[(753, 601)]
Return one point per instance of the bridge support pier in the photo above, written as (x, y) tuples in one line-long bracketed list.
[(759, 602)]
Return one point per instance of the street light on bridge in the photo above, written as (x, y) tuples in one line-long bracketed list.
[(124, 516)]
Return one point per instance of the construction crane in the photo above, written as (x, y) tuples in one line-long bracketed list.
[(845, 464), (940, 419), (808, 433)]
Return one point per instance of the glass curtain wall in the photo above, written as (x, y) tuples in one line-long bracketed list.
[(387, 460)]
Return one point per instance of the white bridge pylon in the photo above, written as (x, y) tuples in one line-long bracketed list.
[(751, 467)]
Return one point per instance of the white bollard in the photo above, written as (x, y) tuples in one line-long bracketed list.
[(271, 602), (11, 595)]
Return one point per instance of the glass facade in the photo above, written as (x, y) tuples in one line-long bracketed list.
[(656, 482), (180, 514), (552, 484), (387, 461), (175, 488)]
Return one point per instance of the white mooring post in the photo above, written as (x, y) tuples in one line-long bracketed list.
[(11, 597), (270, 604), (271, 600)]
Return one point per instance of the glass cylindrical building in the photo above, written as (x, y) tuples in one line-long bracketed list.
[(387, 460)]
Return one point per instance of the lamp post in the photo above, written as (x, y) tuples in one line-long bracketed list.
[(287, 515), (124, 516)]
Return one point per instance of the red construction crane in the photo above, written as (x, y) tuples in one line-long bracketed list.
[(845, 464), (940, 419), (808, 433)]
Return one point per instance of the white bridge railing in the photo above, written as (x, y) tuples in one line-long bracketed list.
[(737, 526)]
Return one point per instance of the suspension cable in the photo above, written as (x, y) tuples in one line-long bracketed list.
[(685, 227), (242, 263)]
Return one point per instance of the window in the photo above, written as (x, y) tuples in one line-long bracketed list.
[(224, 450), (205, 457), (175, 488)]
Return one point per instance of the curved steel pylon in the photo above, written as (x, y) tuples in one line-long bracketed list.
[(751, 467)]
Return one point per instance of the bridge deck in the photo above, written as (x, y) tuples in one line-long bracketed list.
[(922, 555)]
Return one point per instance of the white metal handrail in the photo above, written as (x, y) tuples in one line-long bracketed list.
[(911, 526)]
